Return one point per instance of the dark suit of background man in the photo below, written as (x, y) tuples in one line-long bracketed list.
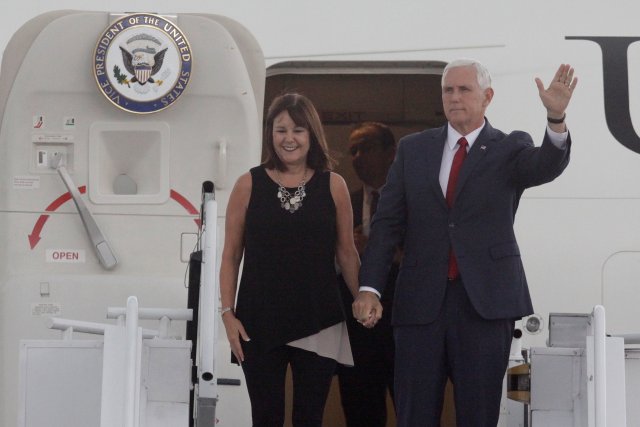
[(450, 321), (363, 387)]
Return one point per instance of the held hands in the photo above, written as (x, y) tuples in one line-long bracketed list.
[(367, 309), (235, 330), (556, 97)]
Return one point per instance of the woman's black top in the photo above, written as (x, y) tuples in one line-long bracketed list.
[(288, 288)]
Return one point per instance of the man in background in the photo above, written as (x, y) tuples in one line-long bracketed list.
[(363, 387)]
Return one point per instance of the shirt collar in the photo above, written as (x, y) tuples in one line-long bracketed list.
[(453, 136)]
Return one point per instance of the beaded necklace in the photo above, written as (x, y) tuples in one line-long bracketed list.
[(291, 202)]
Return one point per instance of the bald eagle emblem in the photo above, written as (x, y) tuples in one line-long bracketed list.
[(142, 63), (142, 57)]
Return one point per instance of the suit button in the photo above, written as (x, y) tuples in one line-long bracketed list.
[(452, 225)]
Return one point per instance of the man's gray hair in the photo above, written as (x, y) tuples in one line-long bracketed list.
[(482, 74)]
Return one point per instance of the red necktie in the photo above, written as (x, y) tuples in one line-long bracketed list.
[(458, 159), (375, 196)]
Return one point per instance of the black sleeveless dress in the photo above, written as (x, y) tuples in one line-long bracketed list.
[(288, 288)]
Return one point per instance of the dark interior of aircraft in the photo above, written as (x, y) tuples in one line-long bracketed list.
[(403, 95)]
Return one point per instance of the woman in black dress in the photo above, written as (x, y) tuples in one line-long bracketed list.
[(291, 220)]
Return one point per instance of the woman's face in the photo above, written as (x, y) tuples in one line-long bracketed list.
[(290, 141)]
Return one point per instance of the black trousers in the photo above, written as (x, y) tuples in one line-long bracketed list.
[(265, 376), (473, 352)]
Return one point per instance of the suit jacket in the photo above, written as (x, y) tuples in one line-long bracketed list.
[(413, 209), (357, 204)]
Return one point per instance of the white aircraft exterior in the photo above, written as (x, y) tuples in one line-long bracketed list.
[(579, 235)]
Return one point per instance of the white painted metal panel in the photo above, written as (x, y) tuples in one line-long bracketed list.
[(51, 102), (60, 383)]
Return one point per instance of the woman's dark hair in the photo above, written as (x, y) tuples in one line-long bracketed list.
[(303, 114)]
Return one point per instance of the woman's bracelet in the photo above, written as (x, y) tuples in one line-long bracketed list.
[(223, 310)]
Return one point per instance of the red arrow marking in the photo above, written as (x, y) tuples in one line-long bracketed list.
[(34, 237), (185, 204), (63, 199)]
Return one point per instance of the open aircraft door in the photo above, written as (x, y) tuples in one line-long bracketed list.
[(125, 115)]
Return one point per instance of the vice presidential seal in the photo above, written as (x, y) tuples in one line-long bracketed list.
[(142, 63)]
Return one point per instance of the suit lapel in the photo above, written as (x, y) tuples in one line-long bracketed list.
[(435, 148), (479, 149)]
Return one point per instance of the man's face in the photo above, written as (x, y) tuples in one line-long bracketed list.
[(463, 101), (370, 160)]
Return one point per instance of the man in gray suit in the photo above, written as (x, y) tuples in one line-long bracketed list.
[(451, 197)]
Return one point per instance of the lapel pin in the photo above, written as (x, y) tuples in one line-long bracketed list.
[(483, 147)]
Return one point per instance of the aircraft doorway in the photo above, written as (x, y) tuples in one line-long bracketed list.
[(403, 95), (406, 96)]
